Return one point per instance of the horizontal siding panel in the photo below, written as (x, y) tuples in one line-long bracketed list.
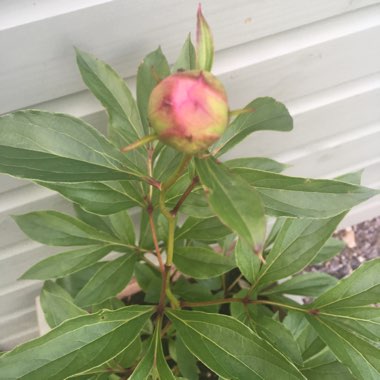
[(20, 337), (39, 63)]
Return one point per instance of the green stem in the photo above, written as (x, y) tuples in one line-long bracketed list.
[(144, 140), (171, 218)]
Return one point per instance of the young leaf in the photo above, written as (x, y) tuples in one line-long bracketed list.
[(152, 70), (331, 248), (57, 229), (76, 345), (109, 280), (258, 163), (247, 261), (150, 282), (186, 59), (200, 262), (264, 114), (66, 263), (308, 284), (229, 348), (102, 198), (360, 356), (206, 229), (57, 304), (296, 245), (205, 43), (153, 365), (112, 91), (237, 204), (304, 197), (361, 288), (59, 148)]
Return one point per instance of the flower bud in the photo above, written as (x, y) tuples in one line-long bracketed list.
[(189, 110)]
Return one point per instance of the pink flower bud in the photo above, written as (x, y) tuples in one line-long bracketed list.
[(189, 110)]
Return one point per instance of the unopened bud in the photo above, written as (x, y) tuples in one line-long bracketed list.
[(189, 110)]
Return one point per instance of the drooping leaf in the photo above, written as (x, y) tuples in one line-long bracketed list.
[(361, 288), (201, 262), (360, 356), (258, 163), (125, 126), (59, 148), (247, 261), (57, 304), (153, 365), (108, 281), (58, 229), (101, 198), (331, 248), (66, 263), (186, 59), (152, 70), (205, 43), (205, 229), (237, 204), (265, 114), (304, 197), (307, 284), (296, 245), (229, 348), (97, 337)]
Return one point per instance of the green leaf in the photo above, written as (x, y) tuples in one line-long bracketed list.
[(57, 304), (57, 229), (108, 281), (153, 68), (258, 163), (361, 288), (150, 282), (200, 262), (102, 198), (229, 348), (306, 337), (360, 356), (279, 336), (112, 303), (266, 114), (76, 345), (153, 366), (331, 248), (123, 227), (237, 204), (247, 261), (304, 197), (186, 59), (296, 245), (125, 126), (276, 228), (363, 320), (186, 361), (59, 148), (206, 229), (308, 284), (65, 263), (205, 43)]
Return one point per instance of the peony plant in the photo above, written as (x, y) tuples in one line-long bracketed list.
[(213, 289)]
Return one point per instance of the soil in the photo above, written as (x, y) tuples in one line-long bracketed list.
[(362, 244)]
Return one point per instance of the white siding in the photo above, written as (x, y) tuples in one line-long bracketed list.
[(321, 58)]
